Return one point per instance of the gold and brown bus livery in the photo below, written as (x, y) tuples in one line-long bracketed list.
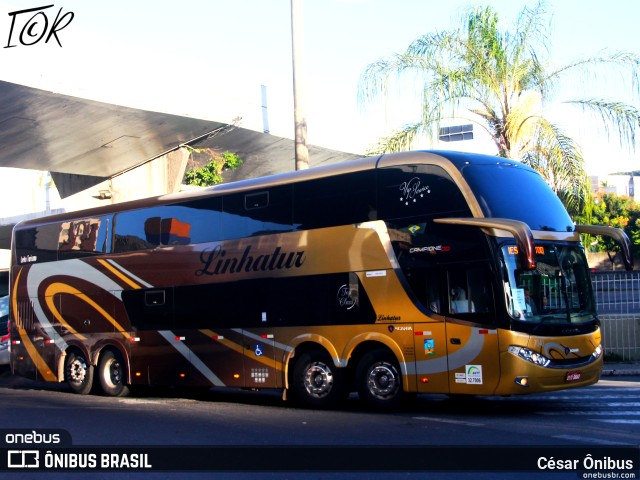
[(417, 272)]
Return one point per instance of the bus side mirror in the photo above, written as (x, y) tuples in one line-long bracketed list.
[(520, 231), (617, 235)]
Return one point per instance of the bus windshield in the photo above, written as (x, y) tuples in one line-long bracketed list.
[(523, 195), (558, 291)]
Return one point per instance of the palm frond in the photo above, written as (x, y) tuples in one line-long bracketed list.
[(559, 160), (625, 63), (375, 78), (522, 120), (478, 68), (622, 117), (397, 141)]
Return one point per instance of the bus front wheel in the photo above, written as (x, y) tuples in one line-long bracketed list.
[(379, 380), (78, 373), (111, 374), (317, 382)]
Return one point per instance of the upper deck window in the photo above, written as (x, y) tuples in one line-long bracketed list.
[(84, 236), (336, 200), (417, 190), (37, 244), (257, 213), (211, 219)]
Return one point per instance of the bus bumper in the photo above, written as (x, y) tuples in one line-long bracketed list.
[(520, 376)]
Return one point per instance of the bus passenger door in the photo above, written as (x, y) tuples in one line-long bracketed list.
[(431, 357), (472, 339), (430, 341)]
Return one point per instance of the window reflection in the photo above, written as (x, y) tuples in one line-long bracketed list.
[(204, 220)]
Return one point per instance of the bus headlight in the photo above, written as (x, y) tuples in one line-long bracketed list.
[(530, 355), (597, 353)]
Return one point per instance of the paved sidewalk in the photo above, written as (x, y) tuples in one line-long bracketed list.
[(620, 369)]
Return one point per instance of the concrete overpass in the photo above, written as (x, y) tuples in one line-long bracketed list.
[(86, 144)]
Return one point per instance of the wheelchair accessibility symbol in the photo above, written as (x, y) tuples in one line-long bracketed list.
[(258, 351)]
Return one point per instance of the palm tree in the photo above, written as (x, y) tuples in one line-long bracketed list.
[(500, 81)]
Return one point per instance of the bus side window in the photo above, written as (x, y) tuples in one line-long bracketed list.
[(417, 190), (469, 291), (424, 284), (136, 230), (458, 300), (338, 200), (433, 292), (257, 213)]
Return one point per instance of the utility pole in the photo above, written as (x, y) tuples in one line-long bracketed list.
[(265, 115), (299, 118)]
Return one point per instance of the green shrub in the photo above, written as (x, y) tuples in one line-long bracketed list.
[(211, 173)]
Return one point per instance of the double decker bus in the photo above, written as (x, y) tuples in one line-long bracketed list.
[(416, 272)]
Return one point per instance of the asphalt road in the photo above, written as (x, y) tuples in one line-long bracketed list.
[(605, 414)]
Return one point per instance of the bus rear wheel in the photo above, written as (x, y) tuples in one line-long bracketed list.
[(379, 380), (78, 373), (111, 374), (316, 381)]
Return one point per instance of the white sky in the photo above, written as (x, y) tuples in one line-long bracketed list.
[(208, 59)]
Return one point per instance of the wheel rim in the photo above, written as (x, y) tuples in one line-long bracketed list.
[(114, 373), (78, 370), (382, 380), (318, 380)]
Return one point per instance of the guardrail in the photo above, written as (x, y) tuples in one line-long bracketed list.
[(618, 304)]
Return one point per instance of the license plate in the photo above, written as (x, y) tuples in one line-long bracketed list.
[(573, 376)]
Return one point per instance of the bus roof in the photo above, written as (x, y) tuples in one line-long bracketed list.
[(447, 159)]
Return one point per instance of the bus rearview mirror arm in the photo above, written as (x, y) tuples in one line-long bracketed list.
[(616, 234), (520, 231)]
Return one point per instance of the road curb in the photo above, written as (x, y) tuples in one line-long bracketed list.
[(621, 372)]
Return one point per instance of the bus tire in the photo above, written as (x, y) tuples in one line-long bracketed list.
[(379, 380), (111, 374), (316, 381), (78, 372)]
